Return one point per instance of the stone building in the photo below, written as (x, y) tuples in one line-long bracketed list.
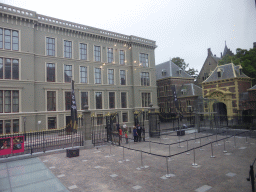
[(172, 78), (224, 87), (40, 55), (211, 62)]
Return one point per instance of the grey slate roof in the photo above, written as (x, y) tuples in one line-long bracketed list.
[(189, 90), (227, 71), (171, 69), (216, 58), (253, 88)]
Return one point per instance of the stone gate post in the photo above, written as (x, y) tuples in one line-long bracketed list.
[(87, 127)]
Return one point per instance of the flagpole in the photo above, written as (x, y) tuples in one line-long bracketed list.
[(72, 124)]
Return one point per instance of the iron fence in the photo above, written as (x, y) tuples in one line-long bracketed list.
[(41, 141)]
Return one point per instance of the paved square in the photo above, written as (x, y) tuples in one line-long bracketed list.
[(107, 174)]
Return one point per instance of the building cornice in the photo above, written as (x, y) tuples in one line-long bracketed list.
[(42, 20)]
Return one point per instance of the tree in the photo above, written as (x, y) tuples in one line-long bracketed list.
[(245, 58), (181, 63)]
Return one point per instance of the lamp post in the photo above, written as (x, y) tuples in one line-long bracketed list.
[(24, 120)]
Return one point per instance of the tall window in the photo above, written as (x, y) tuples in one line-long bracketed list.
[(1, 41), (110, 55), (125, 117), (84, 99), (52, 123), (123, 100), (83, 74), (122, 77), (144, 59), (68, 73), (144, 78), (50, 46), (67, 100), (9, 39), (98, 98), (67, 49), (51, 101), (9, 68), (122, 57), (145, 99), (50, 72), (97, 55), (9, 126), (9, 101), (83, 51), (111, 100), (97, 74), (111, 76)]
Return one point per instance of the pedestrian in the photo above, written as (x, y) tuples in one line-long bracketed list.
[(135, 134), (139, 132), (120, 134), (124, 127), (126, 136)]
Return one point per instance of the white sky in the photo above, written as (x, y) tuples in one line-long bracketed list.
[(181, 28)]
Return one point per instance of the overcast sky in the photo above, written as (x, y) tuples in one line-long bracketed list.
[(181, 28)]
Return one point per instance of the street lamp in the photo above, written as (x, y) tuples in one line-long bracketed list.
[(24, 120)]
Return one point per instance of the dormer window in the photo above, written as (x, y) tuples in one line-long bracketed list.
[(219, 73), (164, 73), (179, 72), (240, 71), (209, 63), (183, 91)]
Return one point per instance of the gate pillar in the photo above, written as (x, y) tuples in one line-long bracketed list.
[(87, 127), (154, 123)]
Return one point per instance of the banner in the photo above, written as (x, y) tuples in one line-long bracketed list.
[(73, 109), (175, 100), (11, 145)]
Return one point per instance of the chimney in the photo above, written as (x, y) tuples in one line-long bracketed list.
[(254, 45), (209, 52)]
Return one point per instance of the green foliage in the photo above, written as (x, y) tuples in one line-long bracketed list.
[(245, 58), (181, 63)]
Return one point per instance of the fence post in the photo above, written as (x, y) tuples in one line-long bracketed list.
[(141, 159), (212, 151), (235, 141), (149, 146), (224, 147), (200, 145), (167, 169), (194, 164), (188, 153)]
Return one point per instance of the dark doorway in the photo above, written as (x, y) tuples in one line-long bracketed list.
[(221, 111)]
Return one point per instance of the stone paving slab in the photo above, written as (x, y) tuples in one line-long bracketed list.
[(92, 171)]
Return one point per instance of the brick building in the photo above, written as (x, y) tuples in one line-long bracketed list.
[(225, 85), (172, 78)]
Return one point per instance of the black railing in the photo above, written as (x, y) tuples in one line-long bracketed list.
[(41, 141)]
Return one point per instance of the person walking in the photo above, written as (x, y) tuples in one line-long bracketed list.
[(126, 136), (139, 132), (120, 134), (135, 134)]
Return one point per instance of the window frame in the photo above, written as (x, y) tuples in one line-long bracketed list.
[(81, 53), (145, 99), (3, 123), (110, 55), (126, 117), (121, 61), (144, 59), (99, 79), (145, 79), (111, 100), (11, 70), (101, 93), (97, 58), (12, 40), (67, 100), (67, 54), (111, 81), (81, 99), (48, 72), (121, 99), (64, 78), (53, 46), (52, 100), (120, 75), (8, 102), (85, 74)]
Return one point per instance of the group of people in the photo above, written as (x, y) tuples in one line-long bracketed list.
[(137, 130)]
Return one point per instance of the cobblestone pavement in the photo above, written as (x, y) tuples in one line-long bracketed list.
[(103, 169)]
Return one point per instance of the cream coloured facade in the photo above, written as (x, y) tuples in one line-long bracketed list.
[(40, 55)]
